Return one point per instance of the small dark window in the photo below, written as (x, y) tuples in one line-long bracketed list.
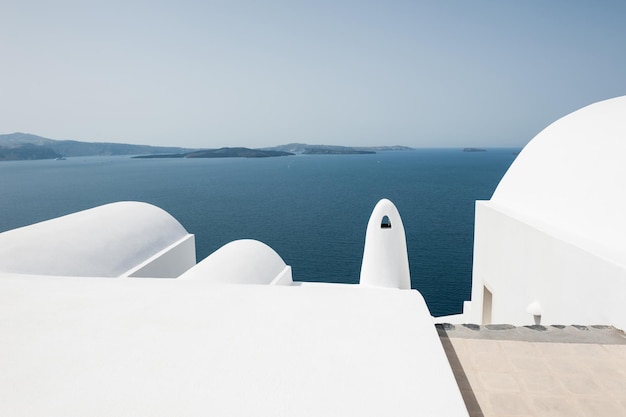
[(385, 223)]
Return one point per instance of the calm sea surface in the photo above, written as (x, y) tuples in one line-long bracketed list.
[(313, 210)]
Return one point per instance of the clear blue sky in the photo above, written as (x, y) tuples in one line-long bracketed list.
[(232, 73)]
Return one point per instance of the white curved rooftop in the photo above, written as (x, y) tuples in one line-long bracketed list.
[(571, 177), (244, 261), (106, 241)]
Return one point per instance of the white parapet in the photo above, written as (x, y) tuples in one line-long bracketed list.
[(385, 258)]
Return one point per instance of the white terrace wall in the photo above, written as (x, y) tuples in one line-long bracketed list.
[(521, 263)]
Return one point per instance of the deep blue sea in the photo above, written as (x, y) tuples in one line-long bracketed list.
[(312, 209)]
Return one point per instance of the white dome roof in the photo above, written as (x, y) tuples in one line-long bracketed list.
[(105, 241), (572, 176), (244, 261)]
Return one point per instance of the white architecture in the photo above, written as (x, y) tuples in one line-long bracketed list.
[(385, 257), (234, 335), (550, 245), (105, 312)]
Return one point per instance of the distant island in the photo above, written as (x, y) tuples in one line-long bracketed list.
[(25, 146), (474, 150), (221, 153), (334, 150), (26, 151), (307, 149)]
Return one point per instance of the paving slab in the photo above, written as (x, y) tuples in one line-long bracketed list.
[(571, 371)]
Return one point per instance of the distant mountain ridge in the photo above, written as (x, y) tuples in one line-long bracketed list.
[(238, 152), (26, 151), (25, 146), (334, 149), (73, 148)]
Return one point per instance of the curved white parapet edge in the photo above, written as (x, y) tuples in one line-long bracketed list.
[(126, 238), (385, 258), (243, 261)]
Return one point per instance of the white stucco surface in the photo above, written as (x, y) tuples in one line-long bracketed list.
[(106, 241), (153, 347), (552, 240)]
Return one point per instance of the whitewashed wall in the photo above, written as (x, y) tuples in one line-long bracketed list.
[(522, 263)]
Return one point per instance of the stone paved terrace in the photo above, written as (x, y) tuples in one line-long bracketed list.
[(567, 371)]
